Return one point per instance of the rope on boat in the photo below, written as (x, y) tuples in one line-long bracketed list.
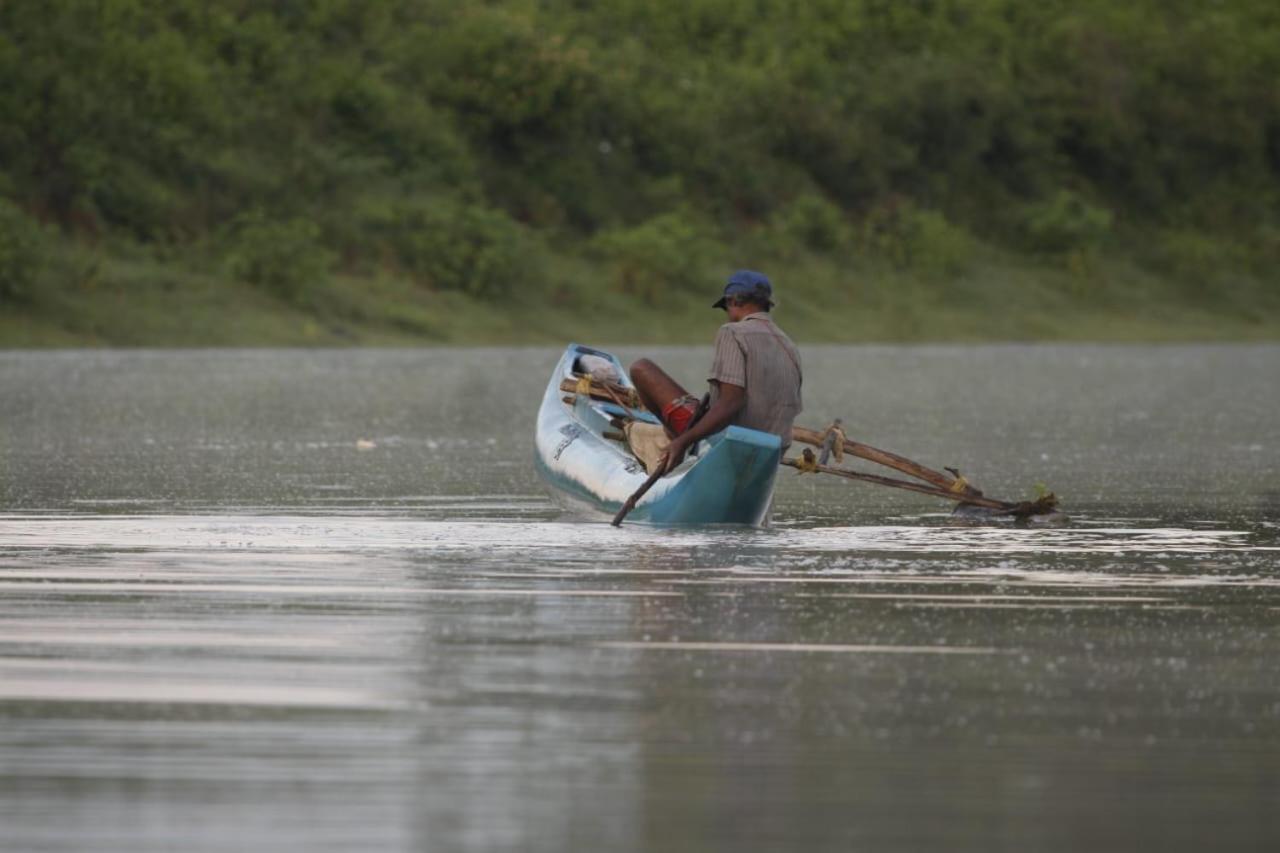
[(807, 463), (833, 439)]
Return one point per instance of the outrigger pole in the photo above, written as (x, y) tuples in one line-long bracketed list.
[(939, 485)]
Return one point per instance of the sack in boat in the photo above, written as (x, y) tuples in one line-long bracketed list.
[(599, 369), (648, 442)]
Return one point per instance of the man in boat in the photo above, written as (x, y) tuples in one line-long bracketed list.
[(755, 375)]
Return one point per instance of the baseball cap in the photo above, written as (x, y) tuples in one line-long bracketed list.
[(749, 283)]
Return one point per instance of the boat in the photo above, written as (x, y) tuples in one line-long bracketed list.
[(590, 470)]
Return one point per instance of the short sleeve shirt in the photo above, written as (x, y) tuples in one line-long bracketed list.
[(756, 355)]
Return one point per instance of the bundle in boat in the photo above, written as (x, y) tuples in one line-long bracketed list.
[(613, 392), (646, 441)]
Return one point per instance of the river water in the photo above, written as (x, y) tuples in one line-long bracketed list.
[(318, 600)]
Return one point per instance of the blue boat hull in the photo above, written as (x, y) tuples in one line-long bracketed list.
[(730, 481)]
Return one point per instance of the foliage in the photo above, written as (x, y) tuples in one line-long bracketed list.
[(814, 223), (22, 249), (510, 79), (283, 257), (1066, 222), (1188, 255), (665, 254), (458, 142), (468, 248), (923, 241)]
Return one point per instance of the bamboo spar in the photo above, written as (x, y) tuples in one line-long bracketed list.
[(889, 460), (1022, 509), (961, 492)]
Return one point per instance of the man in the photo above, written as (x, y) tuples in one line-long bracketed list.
[(755, 374)]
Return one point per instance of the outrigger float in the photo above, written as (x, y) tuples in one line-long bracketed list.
[(586, 430)]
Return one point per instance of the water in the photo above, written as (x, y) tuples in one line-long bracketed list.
[(318, 600)]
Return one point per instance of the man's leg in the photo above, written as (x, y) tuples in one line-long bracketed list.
[(658, 391), (655, 387)]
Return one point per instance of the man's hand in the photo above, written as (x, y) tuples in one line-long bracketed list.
[(675, 454)]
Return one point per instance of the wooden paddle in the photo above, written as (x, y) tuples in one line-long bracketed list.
[(631, 501)]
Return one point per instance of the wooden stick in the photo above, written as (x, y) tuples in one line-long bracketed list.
[(631, 501), (889, 460)]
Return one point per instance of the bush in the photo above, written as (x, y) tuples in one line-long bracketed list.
[(1066, 223), (924, 241), (813, 222), (1265, 250), (506, 75), (661, 255), (464, 247), (1193, 257), (284, 257), (22, 252)]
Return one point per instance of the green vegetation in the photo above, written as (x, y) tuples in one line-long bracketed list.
[(328, 171)]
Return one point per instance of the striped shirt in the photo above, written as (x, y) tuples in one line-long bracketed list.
[(756, 355)]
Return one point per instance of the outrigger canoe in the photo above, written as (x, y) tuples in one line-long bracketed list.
[(730, 480)]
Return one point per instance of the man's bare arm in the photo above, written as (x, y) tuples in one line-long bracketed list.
[(728, 403)]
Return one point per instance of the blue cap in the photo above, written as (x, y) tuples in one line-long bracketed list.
[(749, 283)]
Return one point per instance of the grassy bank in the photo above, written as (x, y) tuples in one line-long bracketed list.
[(105, 301), (219, 172)]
